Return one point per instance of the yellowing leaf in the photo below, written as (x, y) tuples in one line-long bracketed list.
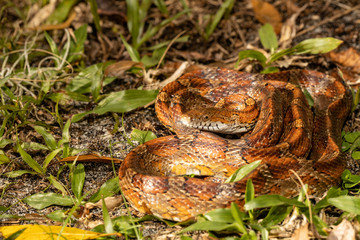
[(267, 13), (43, 232)]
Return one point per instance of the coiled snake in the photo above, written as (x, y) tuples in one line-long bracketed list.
[(272, 122)]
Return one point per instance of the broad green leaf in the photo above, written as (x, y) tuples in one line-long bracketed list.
[(355, 155), (107, 221), (209, 226), (332, 193), (78, 179), (4, 159), (58, 215), (268, 37), (108, 189), (276, 215), (85, 79), (220, 215), (270, 201), (349, 204), (48, 137), (142, 136), (4, 142), (351, 137), (125, 101), (43, 200), (317, 45), (243, 172), (34, 146), (251, 54), (29, 160), (14, 174), (61, 12), (350, 180)]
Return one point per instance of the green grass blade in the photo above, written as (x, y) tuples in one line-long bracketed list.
[(57, 185), (94, 8), (51, 156), (133, 18), (226, 6), (49, 139), (270, 201), (108, 189), (29, 160), (317, 45), (243, 172), (107, 221), (236, 213), (78, 179), (134, 54)]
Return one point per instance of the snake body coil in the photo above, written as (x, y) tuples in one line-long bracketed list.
[(274, 123)]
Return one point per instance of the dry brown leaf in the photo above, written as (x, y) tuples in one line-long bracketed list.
[(267, 13), (110, 202), (343, 231), (301, 233), (118, 68), (90, 158), (348, 58)]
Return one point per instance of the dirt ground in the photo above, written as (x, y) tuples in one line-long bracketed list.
[(316, 18)]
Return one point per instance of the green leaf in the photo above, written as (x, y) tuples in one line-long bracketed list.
[(276, 215), (349, 204), (332, 193), (57, 216), (268, 37), (142, 136), (251, 54), (51, 43), (4, 159), (236, 213), (108, 189), (82, 83), (225, 7), (270, 201), (4, 142), (243, 172), (77, 45), (14, 174), (50, 157), (125, 101), (96, 18), (352, 137), (43, 200), (57, 184), (107, 221), (209, 226), (78, 179), (355, 155), (250, 191), (61, 12), (317, 45), (350, 180), (220, 215), (29, 160), (308, 97), (49, 139), (133, 19), (134, 54)]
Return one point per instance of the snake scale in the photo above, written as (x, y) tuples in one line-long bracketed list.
[(268, 118)]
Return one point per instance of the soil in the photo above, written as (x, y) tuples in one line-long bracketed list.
[(95, 134)]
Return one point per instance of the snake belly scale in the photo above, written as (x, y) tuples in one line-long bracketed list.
[(273, 122)]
